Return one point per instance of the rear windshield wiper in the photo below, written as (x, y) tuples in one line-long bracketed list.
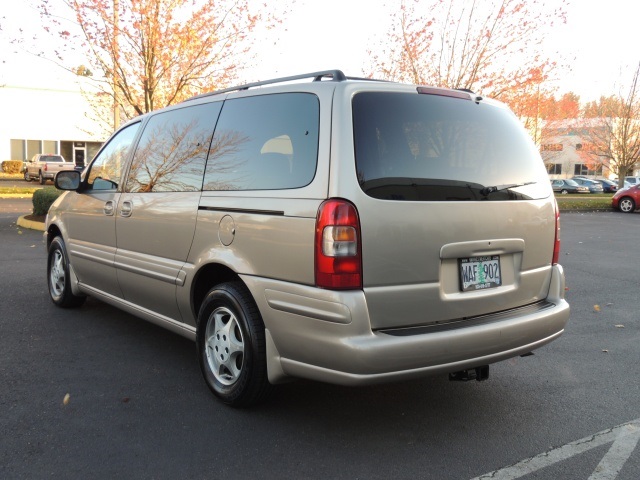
[(498, 188)]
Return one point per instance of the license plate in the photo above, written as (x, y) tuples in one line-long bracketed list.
[(479, 273)]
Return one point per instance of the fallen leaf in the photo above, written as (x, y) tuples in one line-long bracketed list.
[(66, 399), (19, 232), (605, 351), (596, 308)]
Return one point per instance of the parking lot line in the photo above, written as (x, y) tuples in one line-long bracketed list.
[(624, 438)]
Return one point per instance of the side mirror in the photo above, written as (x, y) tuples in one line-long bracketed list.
[(67, 180)]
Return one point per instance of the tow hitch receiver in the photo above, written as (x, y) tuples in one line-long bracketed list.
[(479, 373)]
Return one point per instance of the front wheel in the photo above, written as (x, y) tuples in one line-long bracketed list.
[(627, 205), (26, 176), (58, 276), (564, 192), (231, 346), (41, 178)]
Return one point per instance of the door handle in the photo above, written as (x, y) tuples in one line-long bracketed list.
[(109, 208), (126, 209)]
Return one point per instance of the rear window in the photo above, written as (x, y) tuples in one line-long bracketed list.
[(421, 147), (51, 158)]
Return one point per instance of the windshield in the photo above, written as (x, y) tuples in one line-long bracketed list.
[(417, 147)]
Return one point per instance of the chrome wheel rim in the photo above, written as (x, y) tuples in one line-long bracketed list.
[(625, 205), (57, 275), (224, 345)]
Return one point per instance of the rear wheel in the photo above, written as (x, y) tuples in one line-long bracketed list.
[(627, 205), (231, 346), (58, 276), (26, 175), (41, 178)]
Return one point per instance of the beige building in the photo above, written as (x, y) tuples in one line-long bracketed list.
[(564, 147)]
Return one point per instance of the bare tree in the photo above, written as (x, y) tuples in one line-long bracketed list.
[(152, 53), (492, 47), (615, 143)]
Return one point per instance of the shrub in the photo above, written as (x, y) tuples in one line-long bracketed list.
[(12, 166), (43, 198)]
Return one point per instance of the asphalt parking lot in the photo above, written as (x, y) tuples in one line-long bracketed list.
[(138, 408)]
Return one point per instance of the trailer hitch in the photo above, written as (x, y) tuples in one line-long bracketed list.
[(479, 374)]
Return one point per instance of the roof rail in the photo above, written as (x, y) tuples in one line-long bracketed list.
[(336, 76)]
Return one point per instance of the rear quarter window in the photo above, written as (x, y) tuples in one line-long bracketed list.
[(265, 142), (411, 146)]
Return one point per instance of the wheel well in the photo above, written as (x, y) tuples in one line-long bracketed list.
[(208, 277), (52, 233)]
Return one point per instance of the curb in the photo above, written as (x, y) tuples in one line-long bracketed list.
[(24, 223)]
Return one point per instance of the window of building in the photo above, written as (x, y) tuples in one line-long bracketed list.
[(554, 168), (264, 143), (172, 151), (33, 148), (49, 146), (18, 151), (584, 169)]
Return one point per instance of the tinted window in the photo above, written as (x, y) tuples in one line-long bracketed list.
[(172, 151), (51, 158), (105, 170), (264, 143), (428, 147)]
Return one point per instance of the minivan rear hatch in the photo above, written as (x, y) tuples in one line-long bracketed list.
[(457, 213)]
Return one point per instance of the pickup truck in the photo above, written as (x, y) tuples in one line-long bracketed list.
[(45, 166)]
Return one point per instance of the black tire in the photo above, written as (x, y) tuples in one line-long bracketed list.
[(231, 346), (26, 176), (627, 205), (42, 179), (58, 278), (564, 192)]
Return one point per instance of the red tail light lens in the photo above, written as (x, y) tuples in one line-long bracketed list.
[(556, 242), (338, 251)]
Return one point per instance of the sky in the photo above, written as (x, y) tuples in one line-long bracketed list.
[(599, 42)]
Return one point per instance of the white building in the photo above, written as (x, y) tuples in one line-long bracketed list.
[(47, 110)]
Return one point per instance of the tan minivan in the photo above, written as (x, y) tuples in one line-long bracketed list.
[(342, 230)]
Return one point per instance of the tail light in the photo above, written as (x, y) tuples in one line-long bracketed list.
[(45, 167), (338, 262), (556, 241)]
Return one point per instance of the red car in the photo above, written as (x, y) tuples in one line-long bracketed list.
[(627, 200)]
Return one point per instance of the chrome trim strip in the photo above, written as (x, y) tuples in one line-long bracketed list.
[(279, 213)]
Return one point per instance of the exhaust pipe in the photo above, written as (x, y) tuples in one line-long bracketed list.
[(479, 374)]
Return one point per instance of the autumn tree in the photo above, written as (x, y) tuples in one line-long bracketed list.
[(152, 53), (493, 47), (615, 143)]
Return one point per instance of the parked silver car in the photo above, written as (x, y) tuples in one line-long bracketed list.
[(593, 185), (342, 230)]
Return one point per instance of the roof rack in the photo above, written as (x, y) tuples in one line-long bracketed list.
[(336, 76)]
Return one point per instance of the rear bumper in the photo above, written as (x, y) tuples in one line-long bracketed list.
[(326, 336)]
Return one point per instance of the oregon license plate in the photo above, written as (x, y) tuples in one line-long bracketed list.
[(479, 273)]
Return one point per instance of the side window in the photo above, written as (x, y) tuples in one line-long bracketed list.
[(105, 170), (172, 151), (265, 142)]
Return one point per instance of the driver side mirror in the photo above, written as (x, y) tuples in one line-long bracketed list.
[(67, 180)]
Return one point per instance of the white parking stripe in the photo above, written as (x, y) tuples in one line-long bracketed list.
[(620, 451), (624, 438)]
